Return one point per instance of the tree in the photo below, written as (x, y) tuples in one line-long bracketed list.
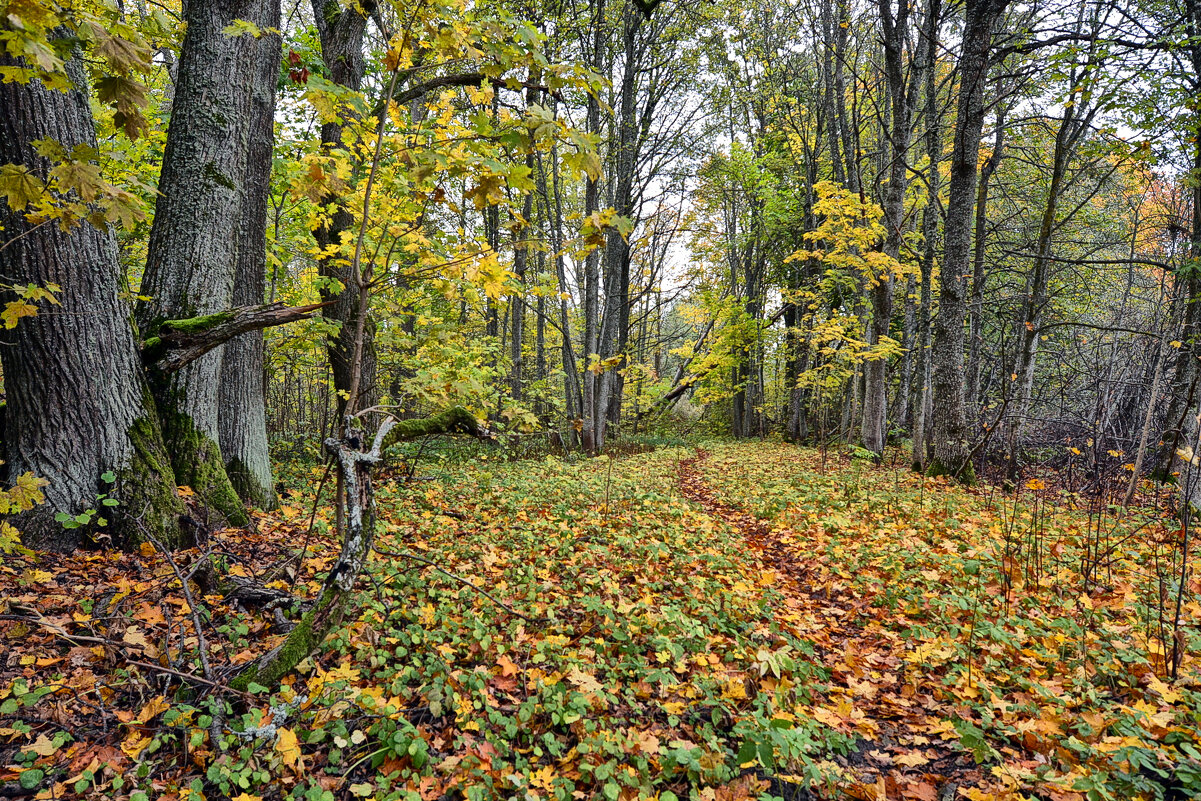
[(118, 384), (242, 420), (79, 413), (951, 447)]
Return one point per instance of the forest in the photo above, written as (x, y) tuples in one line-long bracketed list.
[(439, 400)]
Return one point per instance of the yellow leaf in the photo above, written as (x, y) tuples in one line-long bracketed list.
[(1165, 692), (15, 310), (288, 749), (911, 760), (247, 797), (134, 745), (153, 708), (586, 682), (733, 690), (42, 746)]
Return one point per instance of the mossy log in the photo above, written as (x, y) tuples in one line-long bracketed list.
[(176, 343), (456, 420)]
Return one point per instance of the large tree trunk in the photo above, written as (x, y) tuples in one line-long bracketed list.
[(931, 217), (77, 403), (951, 448), (190, 262), (242, 418)]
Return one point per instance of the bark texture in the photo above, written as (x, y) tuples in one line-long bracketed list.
[(190, 263), (875, 394), (242, 422), (951, 449), (77, 402)]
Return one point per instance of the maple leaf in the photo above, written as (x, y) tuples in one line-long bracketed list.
[(288, 749), (586, 682), (19, 187)]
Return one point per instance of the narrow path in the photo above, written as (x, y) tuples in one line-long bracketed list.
[(871, 692)]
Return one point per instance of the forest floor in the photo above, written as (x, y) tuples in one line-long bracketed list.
[(728, 621)]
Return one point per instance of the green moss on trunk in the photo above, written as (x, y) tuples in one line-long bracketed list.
[(198, 464), (248, 486), (194, 325), (301, 641), (450, 421), (146, 491)]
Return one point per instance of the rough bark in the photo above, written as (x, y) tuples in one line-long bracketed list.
[(242, 420), (951, 449), (190, 262), (77, 403), (178, 343), (614, 321)]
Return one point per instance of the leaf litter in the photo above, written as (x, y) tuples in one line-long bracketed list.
[(739, 621)]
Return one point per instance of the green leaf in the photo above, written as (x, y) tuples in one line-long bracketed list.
[(31, 779)]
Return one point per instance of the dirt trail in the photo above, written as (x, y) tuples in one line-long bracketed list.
[(870, 693)]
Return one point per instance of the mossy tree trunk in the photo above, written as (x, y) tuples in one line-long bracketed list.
[(190, 263), (242, 418), (78, 404)]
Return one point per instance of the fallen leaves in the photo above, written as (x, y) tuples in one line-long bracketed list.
[(858, 632)]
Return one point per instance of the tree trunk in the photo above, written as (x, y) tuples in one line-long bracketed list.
[(1180, 425), (615, 319), (590, 435), (1070, 130), (875, 394), (77, 403), (334, 604), (242, 418), (979, 271), (190, 262), (931, 218), (951, 449)]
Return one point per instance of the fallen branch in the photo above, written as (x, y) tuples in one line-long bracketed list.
[(332, 604), (456, 420), (176, 343)]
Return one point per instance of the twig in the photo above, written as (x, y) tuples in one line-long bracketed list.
[(201, 642)]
